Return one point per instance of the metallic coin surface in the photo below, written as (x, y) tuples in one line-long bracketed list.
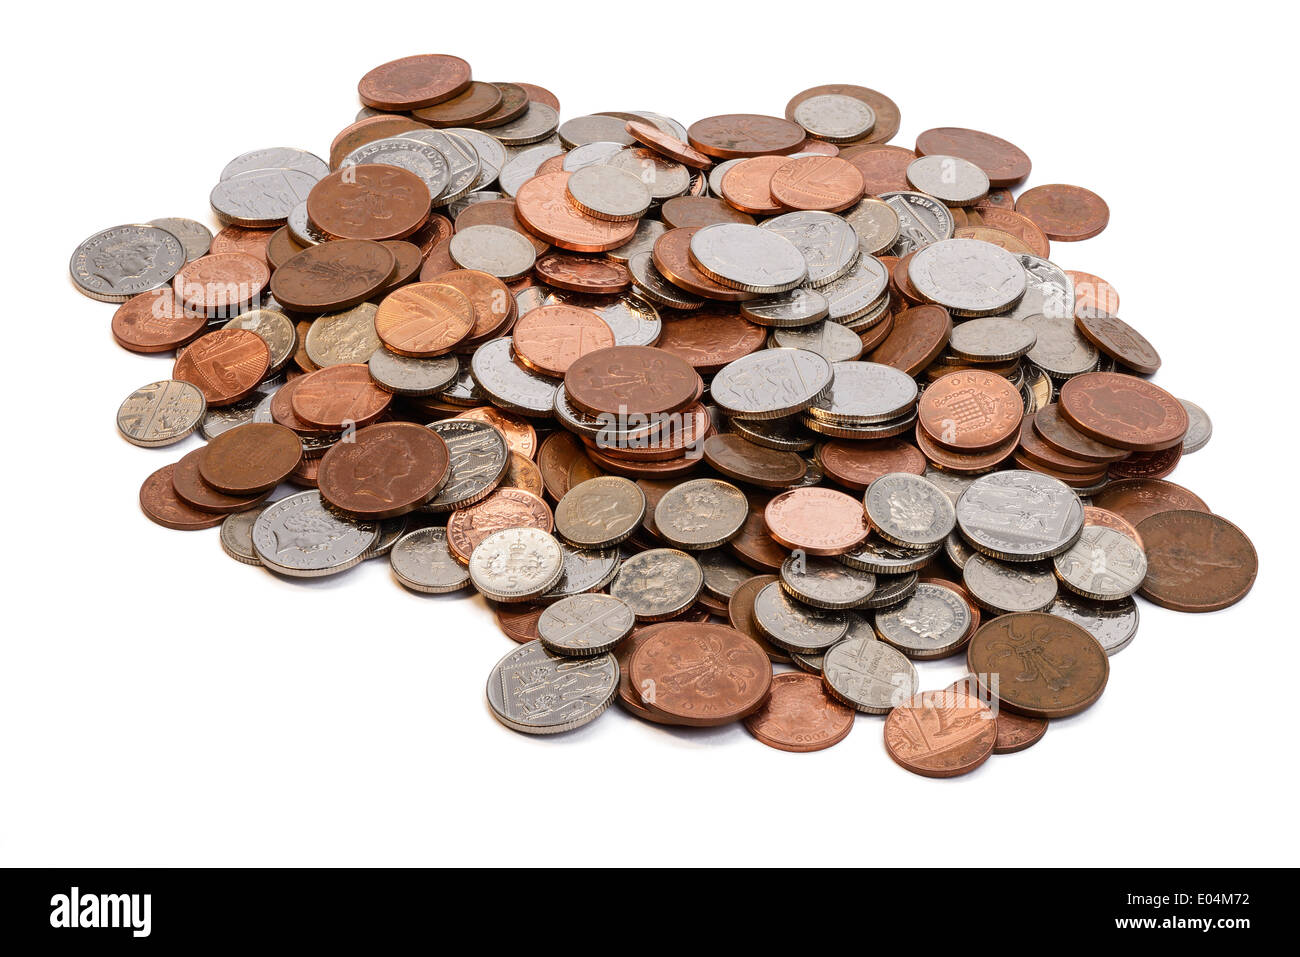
[(495, 250), (1059, 349), (1016, 732), (876, 225), (384, 470), (916, 339), (275, 157), (971, 411), (771, 383), (799, 716), (155, 321), (1044, 666), (1112, 623), (194, 236), (424, 319), (161, 413), (700, 514), (631, 379), (744, 134), (115, 264), (711, 337), (342, 338), (800, 306), (428, 162), (816, 183), (1196, 561), (932, 623), (608, 193), (1104, 564), (883, 558), (583, 625), (161, 504), (819, 521), (868, 675), (585, 570), (826, 583), (1199, 427), (422, 562), (922, 220), (1123, 411), (237, 535), (967, 276), (404, 375), (744, 461), (543, 206), (551, 338), (865, 392), (516, 564), (225, 365), (333, 276), (991, 340), (600, 512), (1004, 163), (1117, 339), (908, 510), (508, 383), (261, 198), (250, 459), (723, 574), (1004, 588), (414, 82), (299, 537), (1139, 499), (479, 458), (1019, 516), (955, 181), (829, 244), (748, 257), (835, 117), (1065, 213), (885, 109), (658, 584), (536, 692), (703, 675), (941, 734)]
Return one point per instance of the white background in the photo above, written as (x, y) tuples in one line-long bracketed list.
[(162, 705)]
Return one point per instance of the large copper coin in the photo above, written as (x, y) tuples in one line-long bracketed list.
[(1009, 221), (539, 94), (970, 411), (1065, 213), (333, 276), (340, 396), (369, 201), (154, 322), (628, 697), (425, 319), (563, 463), (384, 471), (1062, 436), (1015, 731), (736, 135), (161, 504), (711, 337), (820, 521), (917, 338), (1120, 341), (886, 110), (414, 82), (250, 459), (221, 284), (1123, 411), (997, 237), (282, 412), (631, 379), (194, 491), (497, 212), (368, 130), (748, 185), (740, 612), (941, 734), (883, 168), (683, 211), (224, 365), (672, 257), (701, 674), (543, 206), (1139, 499), (437, 229), (1196, 561), (504, 508), (1093, 296), (818, 183), (1038, 664), (744, 461), (596, 276), (494, 306), (476, 102), (1005, 163), (856, 465), (799, 716), (550, 339)]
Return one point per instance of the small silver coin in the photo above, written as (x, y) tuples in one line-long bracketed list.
[(930, 624), (955, 181), (590, 154), (115, 264), (748, 257), (859, 292), (869, 675), (907, 510), (534, 691), (866, 392), (509, 384), (390, 531), (828, 243), (347, 337), (801, 306), (277, 157), (830, 340), (771, 383), (1049, 290), (882, 558), (885, 429), (425, 161), (826, 583), (1059, 349), (600, 512), (723, 572), (161, 413), (516, 564), (463, 163), (958, 552), (275, 329), (658, 584), (495, 250), (700, 514), (968, 277), (585, 569), (1005, 588), (663, 177), (463, 390), (299, 537), (835, 118), (794, 626), (1019, 515), (538, 122), (302, 229), (479, 460), (950, 483), (892, 589), (523, 167), (405, 375), (608, 193), (1104, 564), (875, 314), (876, 224), (784, 435), (256, 408), (490, 152), (260, 198), (455, 208), (595, 128), (194, 236), (642, 241), (1199, 428), (422, 562), (1112, 623), (633, 321), (583, 625), (921, 220), (237, 535), (650, 283), (991, 339)]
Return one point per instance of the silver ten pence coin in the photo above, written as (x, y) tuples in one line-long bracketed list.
[(967, 276), (600, 512), (1005, 588), (584, 625), (1019, 515), (516, 564), (951, 179), (421, 561), (700, 514), (237, 535), (161, 413), (658, 584), (908, 510), (922, 220), (771, 383), (299, 537), (608, 193), (992, 339), (932, 623), (869, 675), (794, 626), (115, 264), (534, 691), (194, 236), (826, 583), (509, 384)]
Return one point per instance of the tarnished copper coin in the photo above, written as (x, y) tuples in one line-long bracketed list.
[(225, 365), (740, 612), (970, 411), (640, 379), (339, 396), (154, 322), (800, 716), (748, 185), (1104, 518), (519, 433), (369, 201), (820, 521), (282, 247), (1065, 213), (161, 504), (540, 94), (333, 276), (1016, 732), (1120, 341), (550, 339), (586, 274), (672, 257), (996, 237), (711, 337), (670, 146), (504, 508), (817, 183), (701, 674), (856, 465), (518, 619), (918, 336), (241, 239), (1123, 411), (409, 261), (941, 734), (1148, 465), (883, 168), (682, 211), (1065, 438), (1139, 499), (744, 461), (384, 470), (886, 110), (736, 135), (543, 206), (414, 82), (220, 284), (494, 306), (424, 319), (1196, 561), (1038, 664), (250, 459), (365, 131), (194, 491), (523, 473), (514, 104), (966, 463), (476, 102), (1005, 163)]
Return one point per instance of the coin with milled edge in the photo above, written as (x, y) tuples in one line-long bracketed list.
[(908, 510), (955, 181), (795, 626), (991, 339), (478, 461), (830, 340), (828, 243), (799, 716), (798, 307), (608, 193), (600, 512), (422, 562), (771, 383), (161, 413), (700, 514), (835, 118), (818, 521), (495, 250), (1112, 623), (1104, 564), (115, 264), (275, 157), (299, 537), (237, 535), (748, 257), (922, 220), (277, 331), (584, 625), (407, 376), (261, 198), (585, 569), (869, 675), (658, 584), (1059, 349), (194, 236), (1199, 427), (522, 167), (509, 384), (516, 564), (534, 691), (1020, 516), (723, 574), (865, 392), (882, 558), (932, 623), (703, 675), (826, 583), (876, 225), (1004, 588), (967, 276)]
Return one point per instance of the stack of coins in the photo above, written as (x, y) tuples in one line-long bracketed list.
[(736, 421)]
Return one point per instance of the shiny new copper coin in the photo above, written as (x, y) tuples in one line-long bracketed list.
[(748, 186), (560, 457), (1038, 664), (384, 470), (225, 365), (817, 182), (154, 322), (333, 276), (476, 102), (886, 110), (587, 274), (194, 491), (800, 716), (820, 521), (856, 465), (736, 135), (744, 461), (1123, 411), (970, 411), (414, 82), (918, 336), (1196, 561), (498, 212), (492, 302), (941, 734), (650, 135), (1104, 518), (740, 613), (543, 206), (672, 257), (1093, 296), (628, 697), (1014, 224), (370, 201), (250, 459), (966, 463), (425, 319), (504, 508), (883, 168), (753, 545), (368, 130), (631, 379), (1062, 436), (220, 284), (282, 411), (711, 337), (1016, 732), (1065, 213), (683, 211), (161, 504), (340, 396), (1139, 499), (1005, 163), (519, 433), (1117, 339), (523, 473), (549, 339), (240, 239), (701, 674)]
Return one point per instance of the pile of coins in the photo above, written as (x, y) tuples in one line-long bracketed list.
[(683, 404)]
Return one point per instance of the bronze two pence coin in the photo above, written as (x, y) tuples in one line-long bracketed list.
[(161, 504), (1065, 213), (740, 612), (369, 201), (681, 212), (333, 276), (337, 397), (194, 491), (1123, 411), (1065, 438), (941, 734), (744, 461), (1139, 499), (1016, 732), (672, 257), (386, 470), (414, 82), (883, 168), (477, 102), (225, 365), (250, 459), (736, 135), (631, 379), (711, 337), (701, 674), (549, 339), (856, 465), (800, 716), (918, 336), (1196, 561), (365, 131), (1038, 664)]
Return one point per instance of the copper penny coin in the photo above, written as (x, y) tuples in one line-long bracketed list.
[(194, 491), (878, 333), (333, 276), (631, 379), (1104, 518), (305, 475), (250, 459), (282, 411), (701, 674), (817, 183), (586, 274), (820, 521), (161, 504), (746, 462), (883, 168), (339, 396), (519, 433), (1005, 163), (673, 439), (1065, 438), (498, 212), (1153, 465), (736, 135), (438, 261), (799, 716), (549, 339), (540, 94), (504, 508), (556, 457), (748, 185), (543, 206), (414, 82), (523, 473), (384, 470), (514, 104), (1038, 664), (886, 110), (282, 247), (369, 201), (970, 411), (1120, 341), (225, 365), (437, 229), (1123, 411), (672, 257), (476, 102), (1065, 213), (709, 338), (753, 545), (409, 261), (965, 463), (220, 284), (492, 302), (518, 620), (1076, 480), (368, 130), (424, 319), (1138, 499), (941, 734), (918, 336), (241, 239), (1032, 446), (740, 612), (628, 698), (154, 322), (996, 237), (682, 211), (1015, 731), (856, 465), (649, 135), (1196, 561), (1093, 296)]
